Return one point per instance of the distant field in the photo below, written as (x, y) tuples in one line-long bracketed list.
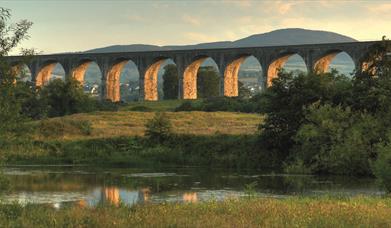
[(131, 123), (163, 105)]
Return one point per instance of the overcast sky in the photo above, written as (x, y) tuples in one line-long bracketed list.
[(78, 25)]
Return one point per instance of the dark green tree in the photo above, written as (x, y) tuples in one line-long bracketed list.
[(170, 82), (66, 97), (284, 103), (208, 82)]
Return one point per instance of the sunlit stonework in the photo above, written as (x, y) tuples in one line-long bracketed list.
[(322, 65), (151, 82), (113, 82), (79, 72), (231, 77), (44, 75), (274, 67), (190, 79)]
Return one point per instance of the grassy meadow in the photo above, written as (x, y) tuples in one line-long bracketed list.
[(132, 123), (289, 212)]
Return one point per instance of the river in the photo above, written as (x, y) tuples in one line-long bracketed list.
[(88, 186)]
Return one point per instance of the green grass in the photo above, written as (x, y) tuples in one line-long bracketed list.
[(290, 212), (163, 105), (132, 123)]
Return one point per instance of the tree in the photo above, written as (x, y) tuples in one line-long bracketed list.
[(10, 119), (170, 82), (208, 82), (284, 103), (337, 140), (11, 34), (159, 128), (66, 97)]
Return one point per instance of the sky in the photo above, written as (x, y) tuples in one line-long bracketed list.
[(79, 25)]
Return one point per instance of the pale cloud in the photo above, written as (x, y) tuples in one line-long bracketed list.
[(191, 20), (380, 8), (245, 20), (284, 7), (199, 37), (134, 18), (240, 3)]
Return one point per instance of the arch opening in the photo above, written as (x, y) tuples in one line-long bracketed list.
[(50, 71), (155, 87), (338, 60), (89, 75), (21, 72), (243, 77), (199, 79), (291, 62), (122, 82)]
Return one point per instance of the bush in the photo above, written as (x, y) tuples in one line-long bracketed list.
[(4, 183), (159, 128), (382, 166), (337, 140)]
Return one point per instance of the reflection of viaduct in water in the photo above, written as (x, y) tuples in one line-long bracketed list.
[(317, 58), (112, 195)]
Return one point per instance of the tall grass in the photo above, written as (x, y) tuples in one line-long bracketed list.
[(291, 212)]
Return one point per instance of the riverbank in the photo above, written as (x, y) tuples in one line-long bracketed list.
[(266, 212)]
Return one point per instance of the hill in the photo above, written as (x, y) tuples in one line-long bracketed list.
[(289, 36)]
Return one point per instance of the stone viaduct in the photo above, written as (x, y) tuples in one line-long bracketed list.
[(317, 58)]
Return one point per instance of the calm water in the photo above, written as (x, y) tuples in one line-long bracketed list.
[(61, 186)]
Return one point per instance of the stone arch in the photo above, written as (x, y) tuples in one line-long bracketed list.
[(190, 76), (231, 75), (113, 78), (81, 70), (151, 86), (278, 63), (21, 71), (325, 61), (45, 72)]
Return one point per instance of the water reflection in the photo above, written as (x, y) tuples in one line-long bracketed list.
[(85, 187), (190, 197)]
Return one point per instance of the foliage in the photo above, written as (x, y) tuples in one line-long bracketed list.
[(11, 122), (170, 82), (66, 97), (337, 140), (382, 166), (208, 82), (284, 101), (159, 128)]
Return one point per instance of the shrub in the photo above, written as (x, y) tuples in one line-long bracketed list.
[(4, 183), (337, 140), (382, 166), (159, 128)]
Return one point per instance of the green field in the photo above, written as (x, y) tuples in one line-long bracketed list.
[(132, 123)]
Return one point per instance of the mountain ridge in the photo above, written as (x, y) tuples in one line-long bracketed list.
[(289, 36)]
